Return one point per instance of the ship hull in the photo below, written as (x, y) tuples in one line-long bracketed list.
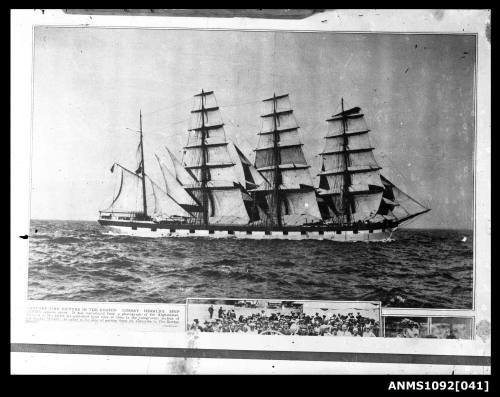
[(152, 229)]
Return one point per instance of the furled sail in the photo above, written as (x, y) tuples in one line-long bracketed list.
[(287, 186), (218, 184), (175, 190), (350, 183), (128, 198)]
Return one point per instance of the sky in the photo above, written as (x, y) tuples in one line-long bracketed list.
[(416, 91)]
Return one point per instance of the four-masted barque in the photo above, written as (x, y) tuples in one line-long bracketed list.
[(216, 191)]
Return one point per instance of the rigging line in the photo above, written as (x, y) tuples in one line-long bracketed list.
[(274, 61), (167, 107), (114, 190), (407, 181), (409, 221), (231, 122), (154, 130), (239, 104), (250, 145), (176, 122), (136, 195)]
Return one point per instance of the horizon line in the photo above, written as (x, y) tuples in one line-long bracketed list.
[(414, 228)]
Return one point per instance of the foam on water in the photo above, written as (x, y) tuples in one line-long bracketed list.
[(84, 261)]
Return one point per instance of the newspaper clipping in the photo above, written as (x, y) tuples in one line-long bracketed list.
[(288, 191)]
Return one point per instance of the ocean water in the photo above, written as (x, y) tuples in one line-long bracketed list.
[(72, 260)]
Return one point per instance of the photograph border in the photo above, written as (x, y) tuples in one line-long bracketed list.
[(481, 300), (474, 155), (379, 303)]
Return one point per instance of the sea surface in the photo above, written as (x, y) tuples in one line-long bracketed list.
[(72, 260)]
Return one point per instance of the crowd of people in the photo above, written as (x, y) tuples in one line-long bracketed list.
[(293, 323), (408, 328)]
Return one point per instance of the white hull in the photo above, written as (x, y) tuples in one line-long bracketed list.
[(348, 235)]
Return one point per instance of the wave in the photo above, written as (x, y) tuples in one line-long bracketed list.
[(417, 269), (231, 275), (123, 278), (442, 274), (392, 297), (223, 262), (312, 283), (65, 240), (285, 263)]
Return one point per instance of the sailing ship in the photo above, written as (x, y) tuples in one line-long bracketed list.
[(216, 191)]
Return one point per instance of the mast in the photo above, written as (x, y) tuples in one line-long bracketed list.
[(217, 183), (287, 193), (350, 181), (347, 176), (204, 193), (277, 162), (144, 205)]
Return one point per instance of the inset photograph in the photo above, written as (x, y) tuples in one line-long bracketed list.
[(284, 317)]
